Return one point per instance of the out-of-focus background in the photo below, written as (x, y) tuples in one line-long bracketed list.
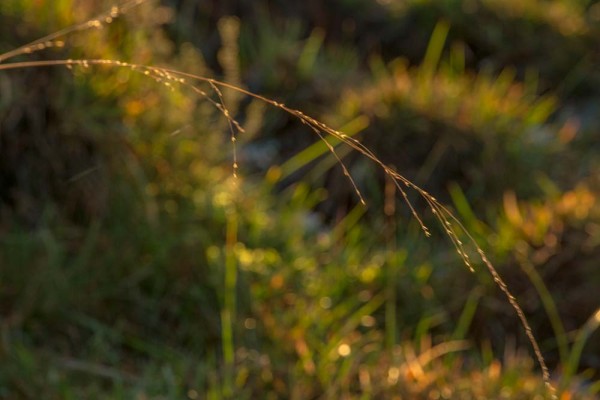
[(134, 265)]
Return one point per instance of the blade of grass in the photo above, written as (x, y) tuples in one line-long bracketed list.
[(549, 305), (466, 317), (228, 313), (319, 148), (591, 325)]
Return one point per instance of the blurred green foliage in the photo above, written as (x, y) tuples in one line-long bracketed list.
[(134, 265)]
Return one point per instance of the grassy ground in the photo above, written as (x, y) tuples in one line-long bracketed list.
[(164, 236)]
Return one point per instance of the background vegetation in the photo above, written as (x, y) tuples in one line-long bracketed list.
[(133, 264)]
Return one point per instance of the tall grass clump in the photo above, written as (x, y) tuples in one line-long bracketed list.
[(170, 78), (330, 327), (548, 39)]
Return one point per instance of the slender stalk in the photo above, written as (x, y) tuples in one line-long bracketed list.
[(392, 267), (229, 310)]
